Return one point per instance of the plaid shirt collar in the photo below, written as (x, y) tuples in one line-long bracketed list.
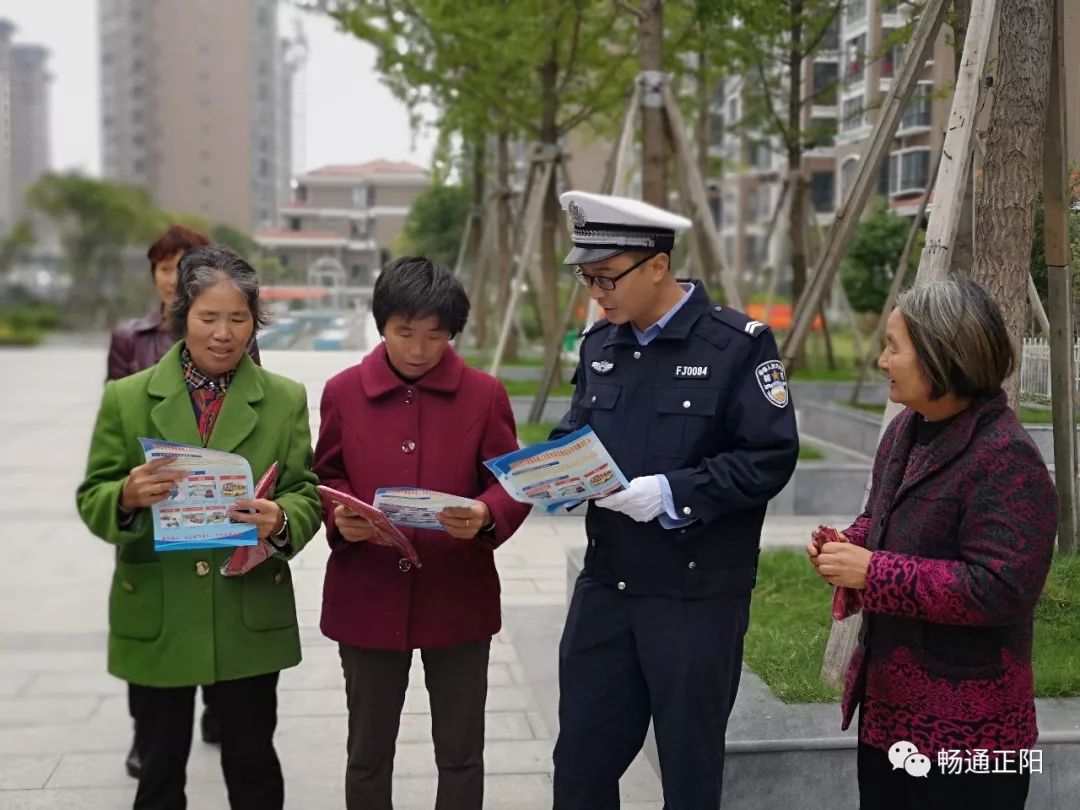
[(195, 379)]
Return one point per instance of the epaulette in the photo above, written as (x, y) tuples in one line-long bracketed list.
[(595, 326), (738, 321)]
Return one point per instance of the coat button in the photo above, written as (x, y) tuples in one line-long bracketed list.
[(637, 355), (277, 578), (692, 565), (882, 522), (202, 568), (686, 403), (622, 586), (127, 586), (686, 510), (592, 542), (409, 396), (404, 565), (408, 446), (593, 398)]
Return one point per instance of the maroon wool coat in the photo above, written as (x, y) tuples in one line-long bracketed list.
[(961, 547), (379, 431)]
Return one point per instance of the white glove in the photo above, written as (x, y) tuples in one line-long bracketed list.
[(641, 500)]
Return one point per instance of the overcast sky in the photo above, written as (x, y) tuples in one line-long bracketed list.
[(351, 117)]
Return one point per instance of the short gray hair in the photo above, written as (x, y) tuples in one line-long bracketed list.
[(204, 267), (959, 336)]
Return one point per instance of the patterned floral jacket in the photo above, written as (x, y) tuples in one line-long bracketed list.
[(962, 538)]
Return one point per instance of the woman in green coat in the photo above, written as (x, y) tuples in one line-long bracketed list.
[(174, 621)]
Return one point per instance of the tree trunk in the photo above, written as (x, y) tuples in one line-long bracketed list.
[(963, 256), (1012, 171), (653, 145), (503, 229), (548, 294), (477, 286), (796, 211)]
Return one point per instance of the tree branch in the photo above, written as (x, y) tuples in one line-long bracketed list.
[(625, 6)]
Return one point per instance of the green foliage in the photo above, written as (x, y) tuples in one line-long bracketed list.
[(868, 266), (435, 223), (1038, 252), (97, 222), (15, 244), (239, 241)]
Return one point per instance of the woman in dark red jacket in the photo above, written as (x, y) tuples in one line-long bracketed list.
[(949, 557), (413, 414)]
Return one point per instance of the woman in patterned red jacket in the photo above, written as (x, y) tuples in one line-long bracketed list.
[(949, 559)]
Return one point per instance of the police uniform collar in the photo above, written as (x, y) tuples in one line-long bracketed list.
[(379, 379), (678, 328)]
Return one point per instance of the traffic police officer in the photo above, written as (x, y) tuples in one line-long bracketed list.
[(691, 400)]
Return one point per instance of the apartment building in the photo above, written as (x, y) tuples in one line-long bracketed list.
[(351, 213), (24, 122), (191, 97)]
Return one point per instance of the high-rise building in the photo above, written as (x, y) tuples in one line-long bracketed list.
[(6, 213), (30, 141), (191, 92), (24, 122)]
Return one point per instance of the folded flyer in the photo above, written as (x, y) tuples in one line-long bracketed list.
[(415, 507), (560, 473), (386, 533), (196, 512), (247, 557)]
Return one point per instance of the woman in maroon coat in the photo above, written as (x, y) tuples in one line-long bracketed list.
[(413, 414), (950, 557)]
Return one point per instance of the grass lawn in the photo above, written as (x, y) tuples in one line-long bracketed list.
[(790, 620), (528, 388)]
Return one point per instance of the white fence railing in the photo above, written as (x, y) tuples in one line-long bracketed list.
[(1035, 367)]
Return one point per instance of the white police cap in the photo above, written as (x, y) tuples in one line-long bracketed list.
[(604, 225)]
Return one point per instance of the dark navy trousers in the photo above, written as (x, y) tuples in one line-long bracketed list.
[(625, 659)]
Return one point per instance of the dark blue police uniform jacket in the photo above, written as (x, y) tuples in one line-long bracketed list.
[(707, 405)]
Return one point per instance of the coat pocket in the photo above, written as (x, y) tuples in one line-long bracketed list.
[(266, 597), (685, 418), (963, 653), (136, 608)]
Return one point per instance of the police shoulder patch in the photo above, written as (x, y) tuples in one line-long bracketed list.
[(738, 321), (772, 380)]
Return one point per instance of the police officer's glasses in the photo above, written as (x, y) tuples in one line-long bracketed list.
[(608, 282)]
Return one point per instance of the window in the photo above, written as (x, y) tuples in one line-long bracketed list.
[(854, 11), (822, 190), (852, 114), (831, 40), (294, 223), (910, 171), (855, 59), (758, 203), (822, 133), (917, 114), (760, 155), (371, 196), (358, 229), (826, 76), (301, 193), (716, 129), (883, 178), (889, 6), (757, 250)]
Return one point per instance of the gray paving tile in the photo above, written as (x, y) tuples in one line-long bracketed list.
[(31, 711), (26, 772)]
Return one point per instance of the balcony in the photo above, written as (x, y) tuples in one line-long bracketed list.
[(909, 171)]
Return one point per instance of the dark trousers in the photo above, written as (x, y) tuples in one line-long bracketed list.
[(247, 711), (624, 659), (883, 788), (137, 741), (375, 683)]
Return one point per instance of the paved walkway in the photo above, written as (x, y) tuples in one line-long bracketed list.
[(64, 728)]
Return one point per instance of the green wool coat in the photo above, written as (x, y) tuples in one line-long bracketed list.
[(174, 620)]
